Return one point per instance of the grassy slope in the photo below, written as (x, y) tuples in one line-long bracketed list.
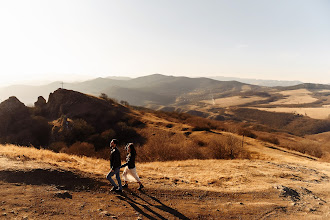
[(181, 186)]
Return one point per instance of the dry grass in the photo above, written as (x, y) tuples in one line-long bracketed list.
[(269, 138), (165, 145), (233, 101), (80, 149), (306, 146), (316, 113), (86, 164), (299, 96)]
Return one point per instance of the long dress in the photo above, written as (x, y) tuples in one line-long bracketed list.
[(129, 173)]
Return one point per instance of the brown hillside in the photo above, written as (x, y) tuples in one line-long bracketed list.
[(277, 184)]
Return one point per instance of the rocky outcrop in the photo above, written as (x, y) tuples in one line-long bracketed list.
[(12, 106), (19, 126), (11, 111), (95, 111), (40, 103), (68, 116)]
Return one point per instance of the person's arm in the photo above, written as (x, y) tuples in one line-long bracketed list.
[(128, 158), (116, 161), (124, 165)]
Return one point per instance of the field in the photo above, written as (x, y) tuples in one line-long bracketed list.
[(233, 101), (316, 113), (299, 96), (275, 183)]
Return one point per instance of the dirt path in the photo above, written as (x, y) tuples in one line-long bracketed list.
[(279, 185)]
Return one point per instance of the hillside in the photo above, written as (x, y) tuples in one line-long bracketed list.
[(192, 167), (199, 96), (149, 88), (81, 124), (276, 184)]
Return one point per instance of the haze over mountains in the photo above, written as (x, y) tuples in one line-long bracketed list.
[(259, 82), (153, 90)]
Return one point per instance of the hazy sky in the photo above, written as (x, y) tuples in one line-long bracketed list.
[(64, 39)]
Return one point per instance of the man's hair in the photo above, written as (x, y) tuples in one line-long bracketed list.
[(115, 141)]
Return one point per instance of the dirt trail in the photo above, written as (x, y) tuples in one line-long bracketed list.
[(280, 184)]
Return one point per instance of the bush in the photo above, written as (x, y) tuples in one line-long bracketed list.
[(40, 131), (306, 147), (166, 147), (125, 132), (269, 139), (81, 130), (246, 132), (57, 146), (229, 147), (81, 149)]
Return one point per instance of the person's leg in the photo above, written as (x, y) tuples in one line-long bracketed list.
[(134, 174), (118, 178), (110, 174), (136, 177), (125, 177), (141, 186)]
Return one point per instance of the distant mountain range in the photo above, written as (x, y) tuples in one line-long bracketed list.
[(153, 91), (259, 82)]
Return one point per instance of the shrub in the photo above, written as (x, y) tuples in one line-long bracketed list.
[(106, 97), (81, 130), (40, 131), (246, 132), (166, 146), (306, 147), (57, 146), (81, 149), (269, 138), (229, 147), (125, 132)]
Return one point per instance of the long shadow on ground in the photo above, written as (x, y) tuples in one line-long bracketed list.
[(63, 179), (146, 206)]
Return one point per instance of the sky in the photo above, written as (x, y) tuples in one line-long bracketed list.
[(67, 40)]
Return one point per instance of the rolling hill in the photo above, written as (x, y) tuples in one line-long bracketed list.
[(200, 96), (165, 89)]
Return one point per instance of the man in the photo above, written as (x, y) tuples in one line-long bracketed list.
[(115, 164)]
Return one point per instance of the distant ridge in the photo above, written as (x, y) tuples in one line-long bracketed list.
[(119, 78), (259, 82), (309, 86)]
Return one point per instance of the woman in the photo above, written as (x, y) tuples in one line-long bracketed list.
[(129, 174)]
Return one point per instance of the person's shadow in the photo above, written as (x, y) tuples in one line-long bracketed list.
[(159, 205)]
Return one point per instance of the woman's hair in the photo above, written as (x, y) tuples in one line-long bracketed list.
[(131, 146)]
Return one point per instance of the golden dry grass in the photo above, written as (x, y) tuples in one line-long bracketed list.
[(233, 101), (316, 113), (86, 164), (184, 184), (212, 175), (299, 96)]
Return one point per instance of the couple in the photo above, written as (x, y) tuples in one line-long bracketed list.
[(129, 173)]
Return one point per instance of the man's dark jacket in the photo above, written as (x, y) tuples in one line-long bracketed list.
[(115, 161)]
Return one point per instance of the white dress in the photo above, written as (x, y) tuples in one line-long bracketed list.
[(130, 175)]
